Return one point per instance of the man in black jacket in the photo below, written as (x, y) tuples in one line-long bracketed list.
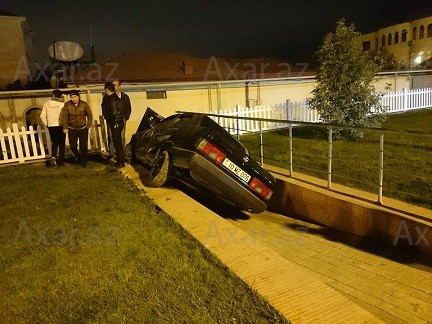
[(127, 108), (113, 112)]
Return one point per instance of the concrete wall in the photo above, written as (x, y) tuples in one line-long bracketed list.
[(210, 99), (17, 59), (352, 211), (205, 99)]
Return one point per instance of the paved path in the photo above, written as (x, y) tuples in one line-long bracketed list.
[(311, 274), (393, 291)]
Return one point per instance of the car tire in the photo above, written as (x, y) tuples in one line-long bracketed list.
[(161, 170)]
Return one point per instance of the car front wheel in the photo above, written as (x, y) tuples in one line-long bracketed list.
[(161, 169)]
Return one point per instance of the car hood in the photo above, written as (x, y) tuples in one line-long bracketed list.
[(149, 119)]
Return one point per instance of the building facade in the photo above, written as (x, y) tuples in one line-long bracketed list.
[(409, 42), (17, 56)]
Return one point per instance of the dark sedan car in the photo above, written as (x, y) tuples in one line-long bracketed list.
[(194, 148)]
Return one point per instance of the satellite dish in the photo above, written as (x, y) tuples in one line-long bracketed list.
[(65, 51)]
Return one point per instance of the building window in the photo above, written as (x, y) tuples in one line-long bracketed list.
[(415, 33), (396, 38), (404, 36), (366, 46), (389, 41), (429, 30), (421, 32), (383, 40), (156, 94)]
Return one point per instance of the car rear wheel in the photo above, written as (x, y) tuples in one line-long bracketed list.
[(161, 170)]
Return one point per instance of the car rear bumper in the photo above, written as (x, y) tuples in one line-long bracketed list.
[(209, 174)]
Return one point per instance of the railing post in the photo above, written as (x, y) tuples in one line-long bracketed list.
[(237, 122), (381, 170), (330, 156), (405, 99), (261, 144), (290, 151)]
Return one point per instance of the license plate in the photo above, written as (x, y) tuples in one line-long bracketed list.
[(236, 170)]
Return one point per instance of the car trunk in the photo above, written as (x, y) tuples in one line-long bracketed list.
[(234, 150)]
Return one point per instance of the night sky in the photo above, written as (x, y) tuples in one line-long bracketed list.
[(284, 29)]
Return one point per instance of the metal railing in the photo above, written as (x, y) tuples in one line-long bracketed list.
[(332, 156)]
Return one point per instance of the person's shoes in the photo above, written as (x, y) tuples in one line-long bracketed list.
[(51, 162)]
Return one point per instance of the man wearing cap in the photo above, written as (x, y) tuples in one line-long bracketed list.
[(50, 117), (76, 121)]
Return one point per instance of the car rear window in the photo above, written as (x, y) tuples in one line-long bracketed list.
[(224, 135), (208, 122)]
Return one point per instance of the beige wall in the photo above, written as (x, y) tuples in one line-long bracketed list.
[(205, 100), (16, 50), (198, 100)]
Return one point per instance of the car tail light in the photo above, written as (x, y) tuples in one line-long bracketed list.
[(260, 188), (211, 151)]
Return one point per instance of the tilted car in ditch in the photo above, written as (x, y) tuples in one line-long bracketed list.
[(196, 150)]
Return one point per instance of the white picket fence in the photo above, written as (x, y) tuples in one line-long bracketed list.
[(300, 112), (21, 145), (24, 145), (407, 100), (293, 111)]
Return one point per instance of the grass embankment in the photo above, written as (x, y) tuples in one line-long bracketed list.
[(407, 156), (84, 245)]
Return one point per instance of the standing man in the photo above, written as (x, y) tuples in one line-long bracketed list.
[(76, 121), (113, 112), (50, 117), (127, 108)]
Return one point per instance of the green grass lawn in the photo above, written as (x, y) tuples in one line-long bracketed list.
[(85, 246), (407, 156)]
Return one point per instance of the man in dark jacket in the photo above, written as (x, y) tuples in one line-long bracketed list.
[(76, 119), (113, 112), (126, 105)]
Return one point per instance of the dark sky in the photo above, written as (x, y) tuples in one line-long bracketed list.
[(285, 29)]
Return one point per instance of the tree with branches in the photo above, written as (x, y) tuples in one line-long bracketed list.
[(344, 94)]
